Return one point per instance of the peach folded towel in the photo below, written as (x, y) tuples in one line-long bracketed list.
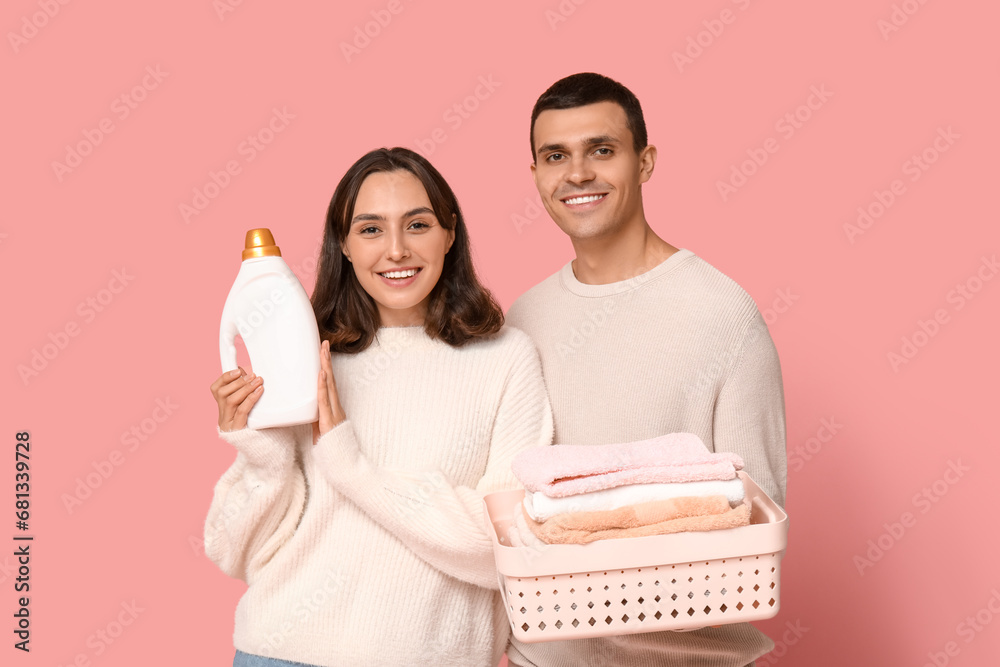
[(540, 507), (565, 470), (556, 532)]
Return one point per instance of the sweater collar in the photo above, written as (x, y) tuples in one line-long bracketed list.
[(570, 282)]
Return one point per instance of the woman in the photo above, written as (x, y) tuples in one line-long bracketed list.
[(362, 536)]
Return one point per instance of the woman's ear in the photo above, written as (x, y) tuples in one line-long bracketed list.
[(451, 233), (343, 250)]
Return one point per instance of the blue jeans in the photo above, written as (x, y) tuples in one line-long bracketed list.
[(247, 660)]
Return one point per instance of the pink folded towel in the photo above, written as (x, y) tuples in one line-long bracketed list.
[(565, 470), (550, 533)]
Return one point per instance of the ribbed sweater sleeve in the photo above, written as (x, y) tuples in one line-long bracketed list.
[(442, 523), (257, 502), (750, 412)]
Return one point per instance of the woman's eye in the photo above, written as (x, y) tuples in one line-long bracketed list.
[(368, 230), (419, 224)]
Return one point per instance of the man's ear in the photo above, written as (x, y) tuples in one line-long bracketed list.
[(647, 160)]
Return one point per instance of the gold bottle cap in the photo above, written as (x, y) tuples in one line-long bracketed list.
[(260, 243)]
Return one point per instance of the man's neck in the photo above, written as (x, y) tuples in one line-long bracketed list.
[(603, 261)]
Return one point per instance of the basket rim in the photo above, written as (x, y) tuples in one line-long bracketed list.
[(764, 537)]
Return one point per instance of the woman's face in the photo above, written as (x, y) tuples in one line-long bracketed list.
[(396, 245)]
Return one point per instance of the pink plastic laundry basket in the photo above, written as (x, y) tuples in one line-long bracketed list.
[(681, 581)]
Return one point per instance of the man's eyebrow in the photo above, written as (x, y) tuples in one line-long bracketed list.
[(589, 141), (601, 139), (551, 147)]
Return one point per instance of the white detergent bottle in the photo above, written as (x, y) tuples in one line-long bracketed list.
[(269, 309)]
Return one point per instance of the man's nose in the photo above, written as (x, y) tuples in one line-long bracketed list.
[(580, 170)]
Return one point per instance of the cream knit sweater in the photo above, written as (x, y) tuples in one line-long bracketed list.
[(680, 347), (369, 548)]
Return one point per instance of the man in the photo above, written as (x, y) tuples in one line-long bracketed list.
[(638, 338)]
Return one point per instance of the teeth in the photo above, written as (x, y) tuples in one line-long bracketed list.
[(584, 200), (399, 274)]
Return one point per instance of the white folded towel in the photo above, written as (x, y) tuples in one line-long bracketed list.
[(540, 507)]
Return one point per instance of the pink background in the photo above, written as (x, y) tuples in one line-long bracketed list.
[(837, 306)]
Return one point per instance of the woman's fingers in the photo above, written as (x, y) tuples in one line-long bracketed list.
[(327, 400), (225, 379), (236, 383), (256, 389), (242, 396)]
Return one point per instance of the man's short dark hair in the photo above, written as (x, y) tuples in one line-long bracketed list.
[(579, 90)]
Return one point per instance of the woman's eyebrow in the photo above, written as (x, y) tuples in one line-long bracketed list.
[(420, 210)]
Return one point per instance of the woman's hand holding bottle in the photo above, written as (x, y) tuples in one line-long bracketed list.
[(236, 393)]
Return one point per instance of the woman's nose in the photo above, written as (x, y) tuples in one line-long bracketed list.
[(397, 248)]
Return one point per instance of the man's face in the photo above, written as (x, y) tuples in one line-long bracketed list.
[(587, 171)]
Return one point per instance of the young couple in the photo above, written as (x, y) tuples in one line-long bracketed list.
[(362, 536)]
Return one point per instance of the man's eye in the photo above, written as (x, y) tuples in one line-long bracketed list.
[(554, 157), (603, 151)]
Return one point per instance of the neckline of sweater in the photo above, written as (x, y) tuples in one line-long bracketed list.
[(570, 282)]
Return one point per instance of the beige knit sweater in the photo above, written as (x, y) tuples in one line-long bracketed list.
[(369, 547), (680, 347)]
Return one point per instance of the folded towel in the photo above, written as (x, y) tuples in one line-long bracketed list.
[(733, 518), (643, 514), (519, 534), (540, 507), (566, 470)]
